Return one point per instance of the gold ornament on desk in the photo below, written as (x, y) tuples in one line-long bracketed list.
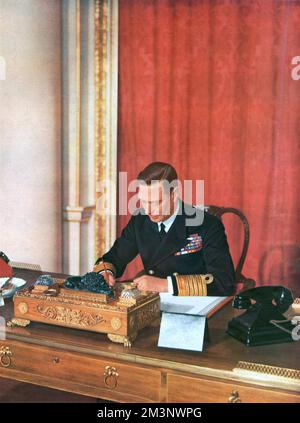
[(131, 295), (120, 316)]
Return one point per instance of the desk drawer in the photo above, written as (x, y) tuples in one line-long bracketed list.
[(189, 389), (75, 368)]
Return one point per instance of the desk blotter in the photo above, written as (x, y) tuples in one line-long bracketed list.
[(121, 318)]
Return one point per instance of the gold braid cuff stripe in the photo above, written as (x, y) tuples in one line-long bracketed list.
[(193, 285), (269, 370)]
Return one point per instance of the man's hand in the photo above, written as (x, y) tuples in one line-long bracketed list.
[(151, 283), (109, 278)]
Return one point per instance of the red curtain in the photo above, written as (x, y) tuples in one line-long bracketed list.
[(207, 86)]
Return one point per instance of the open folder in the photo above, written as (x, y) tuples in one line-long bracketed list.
[(183, 322), (197, 306)]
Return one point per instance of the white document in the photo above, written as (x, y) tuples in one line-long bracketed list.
[(182, 331), (199, 306)]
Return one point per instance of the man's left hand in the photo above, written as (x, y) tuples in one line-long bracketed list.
[(151, 283)]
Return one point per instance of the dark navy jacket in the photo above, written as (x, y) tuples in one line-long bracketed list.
[(159, 258)]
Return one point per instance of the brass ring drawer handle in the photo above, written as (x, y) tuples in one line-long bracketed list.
[(5, 356), (110, 377), (56, 360), (234, 397)]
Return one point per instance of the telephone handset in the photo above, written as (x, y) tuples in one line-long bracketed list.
[(264, 306)]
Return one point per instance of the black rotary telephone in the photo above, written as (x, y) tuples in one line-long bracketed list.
[(263, 321)]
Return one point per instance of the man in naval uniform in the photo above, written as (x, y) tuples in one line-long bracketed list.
[(178, 257)]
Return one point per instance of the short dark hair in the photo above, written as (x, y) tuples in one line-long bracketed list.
[(158, 171)]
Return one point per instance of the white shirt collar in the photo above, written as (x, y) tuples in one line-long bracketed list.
[(169, 222)]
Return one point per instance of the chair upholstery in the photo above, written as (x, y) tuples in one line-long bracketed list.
[(242, 281)]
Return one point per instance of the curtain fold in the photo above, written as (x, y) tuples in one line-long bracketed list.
[(207, 86)]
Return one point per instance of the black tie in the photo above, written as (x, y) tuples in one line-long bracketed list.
[(162, 232)]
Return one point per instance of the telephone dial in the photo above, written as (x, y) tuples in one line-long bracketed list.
[(263, 321)]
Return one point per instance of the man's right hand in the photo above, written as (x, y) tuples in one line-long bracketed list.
[(109, 278)]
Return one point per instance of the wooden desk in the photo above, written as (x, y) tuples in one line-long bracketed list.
[(89, 364)]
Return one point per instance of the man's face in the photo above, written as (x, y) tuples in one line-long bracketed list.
[(157, 201)]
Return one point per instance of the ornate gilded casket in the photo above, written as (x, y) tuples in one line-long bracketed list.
[(121, 317)]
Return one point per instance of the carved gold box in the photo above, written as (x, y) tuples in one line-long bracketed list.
[(121, 318)]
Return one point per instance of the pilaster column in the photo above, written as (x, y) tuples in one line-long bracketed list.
[(90, 40)]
